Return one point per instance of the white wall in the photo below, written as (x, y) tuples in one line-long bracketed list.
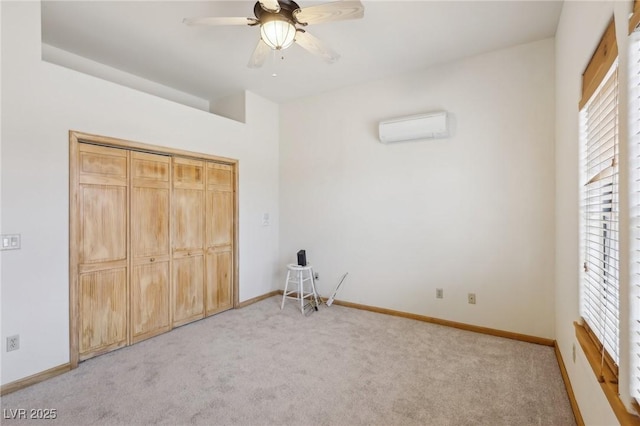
[(471, 213), (41, 102), (84, 65), (579, 31)]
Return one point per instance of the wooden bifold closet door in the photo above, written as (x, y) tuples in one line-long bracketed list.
[(219, 237), (152, 244), (188, 240), (103, 261)]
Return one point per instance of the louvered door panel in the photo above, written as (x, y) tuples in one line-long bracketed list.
[(188, 240), (103, 253), (150, 250), (219, 232)]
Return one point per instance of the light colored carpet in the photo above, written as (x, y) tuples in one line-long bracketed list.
[(338, 366)]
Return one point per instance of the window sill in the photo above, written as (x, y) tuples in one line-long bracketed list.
[(607, 378)]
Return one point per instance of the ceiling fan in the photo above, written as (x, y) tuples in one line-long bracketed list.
[(283, 22)]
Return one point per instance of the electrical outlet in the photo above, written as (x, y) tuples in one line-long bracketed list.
[(13, 343), (439, 293), (316, 276), (472, 298)]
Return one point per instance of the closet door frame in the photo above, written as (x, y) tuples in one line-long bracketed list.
[(76, 138)]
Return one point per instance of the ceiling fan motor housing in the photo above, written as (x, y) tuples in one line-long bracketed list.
[(287, 7)]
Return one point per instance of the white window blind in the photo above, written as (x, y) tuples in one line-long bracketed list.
[(599, 201), (634, 124)]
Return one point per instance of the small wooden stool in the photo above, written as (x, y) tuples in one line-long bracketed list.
[(297, 274)]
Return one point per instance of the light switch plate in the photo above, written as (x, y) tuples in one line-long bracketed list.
[(10, 242)]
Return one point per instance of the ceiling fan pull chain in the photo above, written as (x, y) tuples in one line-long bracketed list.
[(274, 62), (277, 57)]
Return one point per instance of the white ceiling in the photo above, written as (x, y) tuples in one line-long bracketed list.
[(148, 39)]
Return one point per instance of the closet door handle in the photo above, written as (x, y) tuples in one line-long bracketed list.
[(153, 259)]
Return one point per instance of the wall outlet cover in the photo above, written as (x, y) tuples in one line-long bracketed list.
[(13, 343)]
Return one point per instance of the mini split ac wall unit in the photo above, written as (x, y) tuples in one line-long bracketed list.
[(433, 125)]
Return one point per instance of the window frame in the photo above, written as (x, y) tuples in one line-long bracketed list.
[(604, 56), (599, 196), (599, 224)]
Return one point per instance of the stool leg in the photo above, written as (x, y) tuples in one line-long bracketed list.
[(286, 285), (301, 291)]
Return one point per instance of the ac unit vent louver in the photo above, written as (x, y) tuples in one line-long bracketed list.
[(416, 127)]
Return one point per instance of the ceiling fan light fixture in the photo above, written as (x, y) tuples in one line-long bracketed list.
[(283, 22), (278, 34)]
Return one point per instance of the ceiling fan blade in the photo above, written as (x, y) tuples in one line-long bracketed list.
[(259, 55), (329, 12), (220, 21), (315, 46), (270, 5)]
